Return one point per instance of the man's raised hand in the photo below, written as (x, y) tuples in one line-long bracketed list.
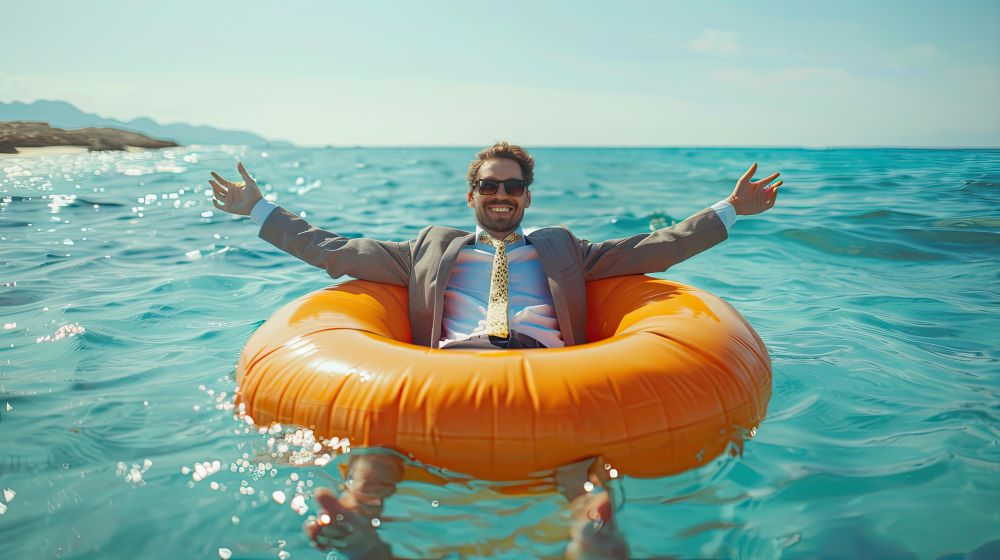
[(235, 198), (754, 197)]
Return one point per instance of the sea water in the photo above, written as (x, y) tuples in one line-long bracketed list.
[(126, 297)]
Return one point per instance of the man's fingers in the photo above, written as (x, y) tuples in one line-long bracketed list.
[(217, 189), (222, 181), (314, 531), (243, 172), (749, 174), (766, 180), (219, 200)]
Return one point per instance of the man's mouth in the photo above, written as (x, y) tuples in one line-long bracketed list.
[(500, 209)]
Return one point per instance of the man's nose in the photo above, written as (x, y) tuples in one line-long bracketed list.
[(503, 189)]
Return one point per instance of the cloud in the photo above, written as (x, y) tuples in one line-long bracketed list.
[(914, 56), (713, 42)]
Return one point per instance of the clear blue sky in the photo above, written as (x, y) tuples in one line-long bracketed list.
[(805, 73)]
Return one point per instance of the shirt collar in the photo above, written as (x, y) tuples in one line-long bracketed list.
[(519, 243)]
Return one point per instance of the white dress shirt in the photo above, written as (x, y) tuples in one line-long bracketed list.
[(530, 309)]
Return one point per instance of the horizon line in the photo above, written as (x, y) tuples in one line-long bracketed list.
[(545, 146), (646, 146)]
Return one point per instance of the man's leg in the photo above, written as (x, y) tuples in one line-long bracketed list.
[(594, 533), (345, 522)]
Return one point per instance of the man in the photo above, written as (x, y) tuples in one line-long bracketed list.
[(495, 289)]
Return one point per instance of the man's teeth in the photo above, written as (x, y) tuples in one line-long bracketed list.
[(501, 208)]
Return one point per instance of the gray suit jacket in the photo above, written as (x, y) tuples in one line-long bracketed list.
[(424, 264)]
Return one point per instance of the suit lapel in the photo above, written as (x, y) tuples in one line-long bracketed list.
[(550, 264), (449, 257), (545, 253), (445, 267)]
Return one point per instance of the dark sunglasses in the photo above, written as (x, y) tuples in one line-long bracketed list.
[(514, 187)]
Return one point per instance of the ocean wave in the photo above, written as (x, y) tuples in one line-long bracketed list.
[(843, 244)]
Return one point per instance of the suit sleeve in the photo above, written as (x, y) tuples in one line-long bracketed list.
[(653, 252), (387, 262)]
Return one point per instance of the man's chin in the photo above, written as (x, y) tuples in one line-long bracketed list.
[(500, 225)]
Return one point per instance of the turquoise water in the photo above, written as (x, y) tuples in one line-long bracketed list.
[(125, 301)]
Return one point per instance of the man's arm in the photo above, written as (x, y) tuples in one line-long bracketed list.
[(366, 259), (387, 262), (663, 248), (653, 252)]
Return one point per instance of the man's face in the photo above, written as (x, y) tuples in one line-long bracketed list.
[(500, 213)]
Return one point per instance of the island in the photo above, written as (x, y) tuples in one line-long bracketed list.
[(37, 134)]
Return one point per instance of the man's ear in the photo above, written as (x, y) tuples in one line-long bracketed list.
[(527, 201), (468, 197)]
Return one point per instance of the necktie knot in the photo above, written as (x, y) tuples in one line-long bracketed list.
[(511, 238)]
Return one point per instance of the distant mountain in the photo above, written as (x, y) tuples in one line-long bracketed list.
[(61, 114)]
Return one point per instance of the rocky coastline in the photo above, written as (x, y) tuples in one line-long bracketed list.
[(36, 134)]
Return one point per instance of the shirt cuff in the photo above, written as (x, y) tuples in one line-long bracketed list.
[(726, 213), (261, 211)]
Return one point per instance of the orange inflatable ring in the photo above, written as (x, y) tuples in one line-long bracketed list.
[(672, 376)]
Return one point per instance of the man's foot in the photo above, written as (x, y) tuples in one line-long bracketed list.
[(594, 533), (343, 525), (347, 524)]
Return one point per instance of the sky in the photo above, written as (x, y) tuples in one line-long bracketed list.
[(558, 73)]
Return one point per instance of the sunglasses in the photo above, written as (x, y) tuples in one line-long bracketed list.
[(514, 187)]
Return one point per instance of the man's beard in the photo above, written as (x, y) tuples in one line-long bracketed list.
[(486, 221)]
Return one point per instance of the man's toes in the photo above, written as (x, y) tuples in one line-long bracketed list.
[(325, 498), (311, 529), (314, 531), (594, 507)]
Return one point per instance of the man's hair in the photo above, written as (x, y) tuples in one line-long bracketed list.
[(503, 150)]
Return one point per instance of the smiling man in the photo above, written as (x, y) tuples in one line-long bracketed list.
[(497, 288)]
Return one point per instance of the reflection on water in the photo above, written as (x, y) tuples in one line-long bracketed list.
[(125, 300)]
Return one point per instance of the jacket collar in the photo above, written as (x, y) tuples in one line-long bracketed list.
[(480, 245)]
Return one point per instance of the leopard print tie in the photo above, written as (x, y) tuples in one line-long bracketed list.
[(496, 311)]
